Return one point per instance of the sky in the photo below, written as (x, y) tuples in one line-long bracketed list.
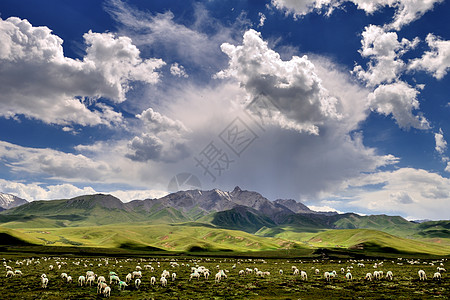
[(342, 105)]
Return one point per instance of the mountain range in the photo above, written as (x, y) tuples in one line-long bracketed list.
[(239, 209), (8, 201)]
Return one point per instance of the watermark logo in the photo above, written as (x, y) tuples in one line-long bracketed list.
[(184, 181)]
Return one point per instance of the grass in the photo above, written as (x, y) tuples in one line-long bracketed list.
[(274, 286), (173, 237)]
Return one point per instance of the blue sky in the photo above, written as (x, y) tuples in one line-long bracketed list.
[(339, 104)]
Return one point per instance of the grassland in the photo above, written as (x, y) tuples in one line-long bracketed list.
[(182, 237), (405, 284)]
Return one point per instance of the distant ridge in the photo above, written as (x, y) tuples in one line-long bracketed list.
[(239, 209), (8, 201)]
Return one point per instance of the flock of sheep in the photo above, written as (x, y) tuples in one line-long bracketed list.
[(154, 272)]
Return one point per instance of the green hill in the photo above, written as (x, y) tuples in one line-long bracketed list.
[(239, 218), (175, 237), (374, 241)]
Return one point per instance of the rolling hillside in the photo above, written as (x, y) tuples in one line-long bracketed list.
[(214, 220)]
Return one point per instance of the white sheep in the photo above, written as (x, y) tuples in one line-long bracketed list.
[(389, 275), (122, 285), (128, 278), (137, 283), (163, 281), (114, 278), (422, 275), (101, 279), (440, 270), (218, 277), (101, 286), (368, 277), (153, 280), (137, 274), (194, 275), (349, 276), (107, 291), (69, 279), (9, 273), (281, 272), (317, 271), (89, 273), (296, 271), (165, 274), (327, 276), (377, 275), (18, 272), (303, 275), (174, 276), (44, 282), (206, 274), (437, 276), (90, 280), (81, 280)]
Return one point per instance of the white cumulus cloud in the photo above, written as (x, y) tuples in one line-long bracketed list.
[(437, 60), (39, 82), (398, 99), (406, 11), (292, 86)]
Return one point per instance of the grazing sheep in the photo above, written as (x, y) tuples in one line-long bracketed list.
[(303, 275), (100, 287), (137, 283), (128, 278), (327, 276), (89, 274), (317, 271), (50, 267), (122, 285), (422, 275), (218, 277), (437, 276), (64, 276), (18, 272), (389, 275), (81, 280), (174, 276), (281, 272), (296, 271), (137, 274), (377, 275), (90, 280), (194, 275), (152, 280), (107, 291), (101, 279), (368, 277), (9, 273), (114, 278), (44, 282), (440, 270), (349, 276), (206, 274), (69, 279), (165, 274), (163, 281)]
